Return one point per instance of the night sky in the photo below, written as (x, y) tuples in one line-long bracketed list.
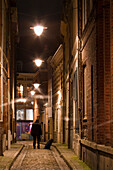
[(31, 13)]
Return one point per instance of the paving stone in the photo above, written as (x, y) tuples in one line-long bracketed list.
[(42, 159)]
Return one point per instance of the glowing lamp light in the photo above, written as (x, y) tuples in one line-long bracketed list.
[(21, 88), (36, 85), (59, 97), (24, 100), (32, 102), (45, 104), (38, 30), (66, 118), (38, 62), (32, 92)]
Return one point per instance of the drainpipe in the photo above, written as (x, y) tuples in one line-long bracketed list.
[(2, 38), (69, 112), (64, 96), (69, 45), (1, 119)]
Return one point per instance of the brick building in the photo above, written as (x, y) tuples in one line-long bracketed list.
[(55, 93), (8, 40), (87, 31), (96, 65), (69, 31)]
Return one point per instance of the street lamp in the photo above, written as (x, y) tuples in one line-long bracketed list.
[(38, 62), (32, 92), (36, 85), (38, 29)]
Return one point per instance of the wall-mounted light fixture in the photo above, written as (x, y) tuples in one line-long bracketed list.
[(32, 92), (36, 85), (38, 62), (38, 29)]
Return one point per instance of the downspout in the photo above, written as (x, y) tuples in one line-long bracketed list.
[(69, 114), (79, 74), (2, 37), (64, 96), (69, 45), (7, 136), (52, 105)]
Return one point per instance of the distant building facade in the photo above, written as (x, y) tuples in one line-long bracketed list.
[(55, 96), (24, 105), (40, 101)]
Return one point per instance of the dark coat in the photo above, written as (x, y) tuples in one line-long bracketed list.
[(36, 129)]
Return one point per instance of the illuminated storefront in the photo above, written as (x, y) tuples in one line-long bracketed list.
[(24, 124), (24, 130)]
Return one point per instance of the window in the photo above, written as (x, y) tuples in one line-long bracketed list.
[(92, 102), (84, 93), (29, 114), (76, 102), (55, 120), (17, 91), (19, 66), (87, 6), (20, 114), (91, 5), (20, 91), (84, 13), (30, 79), (20, 79), (49, 98)]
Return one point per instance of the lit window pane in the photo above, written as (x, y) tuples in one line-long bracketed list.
[(29, 114), (20, 114)]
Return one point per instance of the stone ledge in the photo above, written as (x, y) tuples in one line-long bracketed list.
[(93, 145)]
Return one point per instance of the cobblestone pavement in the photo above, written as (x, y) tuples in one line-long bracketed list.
[(43, 159)]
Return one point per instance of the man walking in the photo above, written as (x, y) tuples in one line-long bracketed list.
[(36, 132)]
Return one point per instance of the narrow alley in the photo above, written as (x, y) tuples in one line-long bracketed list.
[(56, 84), (41, 158)]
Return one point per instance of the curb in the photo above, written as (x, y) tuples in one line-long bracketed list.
[(63, 157), (18, 152)]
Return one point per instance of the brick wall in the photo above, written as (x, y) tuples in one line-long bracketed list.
[(100, 73), (103, 72), (89, 59), (107, 71), (111, 53), (96, 55)]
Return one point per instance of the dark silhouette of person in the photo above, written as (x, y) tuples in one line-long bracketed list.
[(36, 132)]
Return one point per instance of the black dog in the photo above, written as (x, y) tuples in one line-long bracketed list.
[(48, 144)]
